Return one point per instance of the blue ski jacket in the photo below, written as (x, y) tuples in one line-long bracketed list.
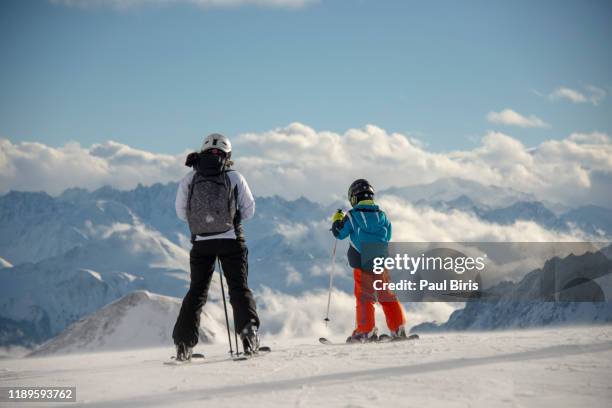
[(364, 223)]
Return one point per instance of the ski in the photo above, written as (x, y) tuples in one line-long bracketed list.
[(247, 356), (194, 357), (384, 338)]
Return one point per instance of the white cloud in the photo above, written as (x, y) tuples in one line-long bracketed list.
[(568, 94), (420, 223), (294, 277), (590, 138), (511, 118), (423, 224), (597, 94), (127, 4), (38, 167), (286, 316), (289, 317), (593, 94), (293, 232), (298, 161)]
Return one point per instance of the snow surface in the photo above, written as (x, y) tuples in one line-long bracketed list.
[(533, 368)]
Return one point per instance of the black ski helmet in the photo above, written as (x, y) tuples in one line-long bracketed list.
[(359, 190)]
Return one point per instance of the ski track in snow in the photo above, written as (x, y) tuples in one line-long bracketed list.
[(557, 367)]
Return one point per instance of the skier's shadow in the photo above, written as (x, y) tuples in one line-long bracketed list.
[(345, 377)]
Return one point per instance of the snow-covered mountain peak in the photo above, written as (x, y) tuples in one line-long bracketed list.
[(452, 188), (139, 319)]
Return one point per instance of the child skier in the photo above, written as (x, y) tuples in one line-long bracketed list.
[(366, 223)]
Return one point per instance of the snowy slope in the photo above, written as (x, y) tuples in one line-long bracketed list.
[(554, 368), (139, 319), (153, 205), (36, 226), (523, 210), (591, 219), (39, 300)]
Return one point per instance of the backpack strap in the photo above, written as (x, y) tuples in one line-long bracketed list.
[(190, 194), (234, 190), (228, 186), (237, 218)]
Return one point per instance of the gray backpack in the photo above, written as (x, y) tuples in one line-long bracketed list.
[(211, 204)]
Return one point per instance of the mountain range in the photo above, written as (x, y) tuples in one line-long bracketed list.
[(575, 289), (66, 257)]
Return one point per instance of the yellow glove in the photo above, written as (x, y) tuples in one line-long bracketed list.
[(338, 216)]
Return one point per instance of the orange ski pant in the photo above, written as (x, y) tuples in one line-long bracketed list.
[(366, 297)]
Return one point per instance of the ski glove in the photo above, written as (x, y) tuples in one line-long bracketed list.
[(338, 216), (337, 222), (192, 158)]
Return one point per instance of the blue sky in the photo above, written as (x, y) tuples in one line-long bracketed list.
[(161, 77)]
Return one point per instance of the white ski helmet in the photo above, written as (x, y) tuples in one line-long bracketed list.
[(217, 141)]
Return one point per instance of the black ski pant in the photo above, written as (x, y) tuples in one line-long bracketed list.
[(233, 255)]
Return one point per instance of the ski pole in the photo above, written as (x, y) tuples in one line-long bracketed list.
[(236, 338), (331, 281), (229, 337)]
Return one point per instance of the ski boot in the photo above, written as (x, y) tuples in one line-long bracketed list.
[(183, 352), (250, 338), (399, 334), (358, 337)]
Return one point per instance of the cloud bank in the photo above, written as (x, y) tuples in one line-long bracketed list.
[(38, 167), (288, 317), (509, 117), (299, 161), (424, 224)]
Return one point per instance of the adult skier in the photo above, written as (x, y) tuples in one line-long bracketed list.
[(366, 222), (214, 200)]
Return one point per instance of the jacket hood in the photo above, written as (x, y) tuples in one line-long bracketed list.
[(209, 164)]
